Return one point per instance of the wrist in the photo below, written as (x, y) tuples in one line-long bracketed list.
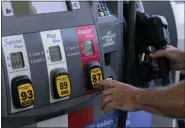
[(139, 99)]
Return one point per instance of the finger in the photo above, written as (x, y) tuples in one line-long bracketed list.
[(106, 83), (177, 66), (109, 106), (105, 100), (109, 91), (160, 53)]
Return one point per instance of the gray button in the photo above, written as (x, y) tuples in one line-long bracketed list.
[(75, 5), (109, 78)]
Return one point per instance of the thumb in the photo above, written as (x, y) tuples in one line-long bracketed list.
[(160, 53)]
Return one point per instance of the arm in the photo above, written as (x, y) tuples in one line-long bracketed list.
[(169, 101)]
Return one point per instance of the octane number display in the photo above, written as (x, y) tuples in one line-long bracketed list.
[(63, 85), (26, 94), (96, 76)]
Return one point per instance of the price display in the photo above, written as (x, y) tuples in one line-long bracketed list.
[(96, 76), (88, 48), (55, 54), (17, 60)]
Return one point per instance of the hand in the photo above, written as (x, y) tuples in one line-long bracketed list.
[(175, 56), (117, 95)]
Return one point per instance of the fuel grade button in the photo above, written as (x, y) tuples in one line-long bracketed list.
[(94, 74), (22, 92), (61, 84)]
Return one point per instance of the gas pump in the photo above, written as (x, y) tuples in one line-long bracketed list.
[(54, 53)]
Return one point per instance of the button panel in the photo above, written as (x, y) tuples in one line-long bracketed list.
[(17, 64), (55, 57)]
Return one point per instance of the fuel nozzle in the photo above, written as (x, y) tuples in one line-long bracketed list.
[(157, 33), (152, 31), (158, 36)]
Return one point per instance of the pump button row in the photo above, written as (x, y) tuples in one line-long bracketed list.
[(23, 92)]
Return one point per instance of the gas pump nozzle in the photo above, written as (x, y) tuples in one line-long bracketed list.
[(155, 33), (158, 36)]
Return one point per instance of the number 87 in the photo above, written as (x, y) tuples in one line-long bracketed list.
[(96, 77)]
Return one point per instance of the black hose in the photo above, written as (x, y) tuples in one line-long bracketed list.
[(129, 45), (130, 42)]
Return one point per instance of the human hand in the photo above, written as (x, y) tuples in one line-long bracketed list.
[(175, 56), (117, 95)]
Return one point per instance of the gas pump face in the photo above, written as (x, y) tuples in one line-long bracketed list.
[(53, 54)]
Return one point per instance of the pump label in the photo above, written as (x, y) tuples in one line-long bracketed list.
[(26, 94), (96, 76), (63, 85)]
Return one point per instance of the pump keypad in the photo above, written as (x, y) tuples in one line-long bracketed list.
[(22, 92), (94, 74), (62, 85), (104, 8)]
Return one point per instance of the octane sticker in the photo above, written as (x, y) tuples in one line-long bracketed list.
[(26, 94), (96, 76), (63, 86)]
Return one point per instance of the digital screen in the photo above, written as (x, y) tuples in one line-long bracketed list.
[(17, 60), (36, 7), (88, 48), (55, 54)]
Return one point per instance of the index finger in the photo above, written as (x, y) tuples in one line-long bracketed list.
[(106, 83), (159, 53)]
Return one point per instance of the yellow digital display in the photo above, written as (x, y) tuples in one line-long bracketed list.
[(63, 85), (96, 76), (26, 94)]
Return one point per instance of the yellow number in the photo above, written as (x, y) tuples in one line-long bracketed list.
[(96, 76), (63, 86), (26, 94)]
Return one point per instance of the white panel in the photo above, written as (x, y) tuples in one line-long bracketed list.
[(7, 8), (48, 7), (53, 38), (75, 4), (61, 121), (12, 44)]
